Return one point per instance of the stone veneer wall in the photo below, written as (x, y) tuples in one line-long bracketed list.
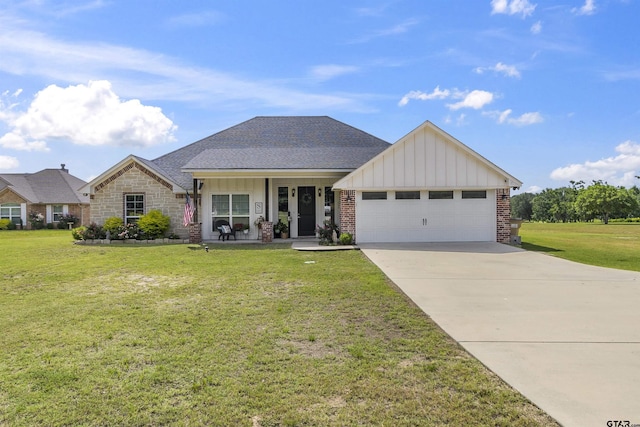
[(348, 212), (108, 200), (503, 214)]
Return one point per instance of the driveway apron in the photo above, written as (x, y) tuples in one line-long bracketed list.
[(565, 335)]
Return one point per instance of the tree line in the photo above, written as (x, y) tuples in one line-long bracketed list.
[(578, 202)]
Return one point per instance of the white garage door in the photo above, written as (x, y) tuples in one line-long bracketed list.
[(452, 219)]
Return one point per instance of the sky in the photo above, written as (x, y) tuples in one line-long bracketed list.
[(546, 90)]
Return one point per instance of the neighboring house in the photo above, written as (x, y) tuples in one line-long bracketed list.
[(305, 170), (51, 193)]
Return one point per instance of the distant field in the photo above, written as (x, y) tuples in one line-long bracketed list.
[(615, 245)]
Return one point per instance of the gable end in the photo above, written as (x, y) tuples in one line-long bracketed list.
[(128, 167)]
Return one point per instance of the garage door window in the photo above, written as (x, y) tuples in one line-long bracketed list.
[(407, 195), (474, 194), (441, 195), (374, 195)]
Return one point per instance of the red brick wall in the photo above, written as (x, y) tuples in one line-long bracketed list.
[(267, 232), (195, 233), (503, 205), (348, 212)]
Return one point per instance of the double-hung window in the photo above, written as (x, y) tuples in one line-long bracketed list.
[(57, 211), (133, 208), (232, 208)]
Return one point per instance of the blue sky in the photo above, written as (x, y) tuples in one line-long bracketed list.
[(547, 90)]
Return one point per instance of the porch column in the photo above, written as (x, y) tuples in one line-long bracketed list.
[(348, 212), (195, 232), (503, 214)]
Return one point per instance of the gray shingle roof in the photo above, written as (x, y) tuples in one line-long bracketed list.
[(48, 186), (296, 142)]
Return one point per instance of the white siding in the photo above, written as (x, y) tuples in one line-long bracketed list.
[(426, 159)]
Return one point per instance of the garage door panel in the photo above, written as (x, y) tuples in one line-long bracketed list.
[(426, 220)]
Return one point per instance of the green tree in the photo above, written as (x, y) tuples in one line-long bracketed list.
[(521, 206), (555, 205), (606, 201)]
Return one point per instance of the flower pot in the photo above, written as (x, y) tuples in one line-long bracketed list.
[(284, 235)]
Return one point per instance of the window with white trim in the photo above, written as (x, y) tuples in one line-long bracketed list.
[(232, 208), (133, 208), (11, 211), (57, 211)]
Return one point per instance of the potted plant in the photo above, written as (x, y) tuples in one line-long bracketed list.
[(245, 230), (283, 229)]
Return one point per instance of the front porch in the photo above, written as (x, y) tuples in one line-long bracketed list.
[(298, 203)]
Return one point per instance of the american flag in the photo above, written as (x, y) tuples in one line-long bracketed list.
[(188, 211)]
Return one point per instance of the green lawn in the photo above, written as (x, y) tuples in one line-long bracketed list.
[(244, 335), (615, 245)]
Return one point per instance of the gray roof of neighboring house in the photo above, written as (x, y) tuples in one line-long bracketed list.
[(296, 142), (49, 186)]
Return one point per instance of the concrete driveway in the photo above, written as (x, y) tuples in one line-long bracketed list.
[(566, 335)]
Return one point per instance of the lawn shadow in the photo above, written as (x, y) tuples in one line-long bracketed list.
[(538, 248)]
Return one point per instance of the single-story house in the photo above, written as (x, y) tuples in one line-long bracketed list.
[(303, 171), (51, 193)]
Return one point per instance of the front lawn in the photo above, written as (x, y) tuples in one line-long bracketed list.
[(614, 245), (245, 335)]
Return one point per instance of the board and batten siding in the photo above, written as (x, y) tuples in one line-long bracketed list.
[(425, 159)]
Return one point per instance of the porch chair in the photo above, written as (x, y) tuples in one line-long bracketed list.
[(225, 230)]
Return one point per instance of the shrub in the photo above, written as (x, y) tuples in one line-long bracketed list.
[(113, 225), (154, 224), (37, 220), (326, 232), (63, 222), (94, 231), (79, 232), (129, 231), (346, 239), (5, 224)]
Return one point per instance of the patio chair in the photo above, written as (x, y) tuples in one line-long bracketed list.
[(225, 230)]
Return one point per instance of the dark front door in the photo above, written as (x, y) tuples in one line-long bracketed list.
[(306, 211)]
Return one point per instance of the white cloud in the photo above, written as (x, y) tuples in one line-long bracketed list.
[(15, 141), (142, 74), (513, 7), (8, 162), (197, 19), (327, 72), (422, 96), (475, 99), (588, 8), (507, 70), (536, 28), (617, 170), (401, 28), (86, 115), (525, 119)]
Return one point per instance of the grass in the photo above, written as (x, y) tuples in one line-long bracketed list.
[(614, 245), (244, 335)]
